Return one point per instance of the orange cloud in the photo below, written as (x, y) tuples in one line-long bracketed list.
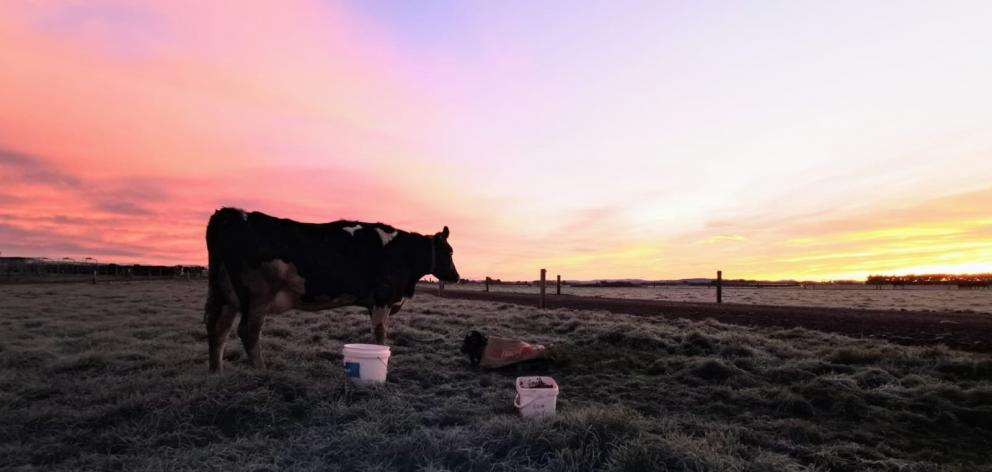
[(949, 234)]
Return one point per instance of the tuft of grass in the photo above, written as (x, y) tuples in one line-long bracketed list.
[(969, 369), (696, 343), (790, 404), (713, 370), (873, 377), (851, 355)]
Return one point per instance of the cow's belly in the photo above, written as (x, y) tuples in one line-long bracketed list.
[(276, 286), (323, 302)]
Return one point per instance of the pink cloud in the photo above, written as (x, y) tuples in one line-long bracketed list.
[(285, 109)]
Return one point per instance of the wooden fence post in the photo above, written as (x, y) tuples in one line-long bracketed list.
[(487, 283), (541, 301), (558, 286), (440, 288), (719, 286), (94, 277)]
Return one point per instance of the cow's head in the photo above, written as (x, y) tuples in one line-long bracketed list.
[(444, 264)]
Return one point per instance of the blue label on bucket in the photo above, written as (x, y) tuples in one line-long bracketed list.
[(352, 369)]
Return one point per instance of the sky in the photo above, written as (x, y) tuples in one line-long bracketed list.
[(805, 140)]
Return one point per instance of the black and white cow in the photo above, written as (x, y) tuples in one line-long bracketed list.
[(260, 265)]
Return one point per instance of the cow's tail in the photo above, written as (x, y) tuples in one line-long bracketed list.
[(224, 226)]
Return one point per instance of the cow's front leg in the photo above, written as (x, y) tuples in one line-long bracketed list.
[(380, 321)]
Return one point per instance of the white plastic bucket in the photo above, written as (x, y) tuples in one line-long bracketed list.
[(365, 363), (536, 396)]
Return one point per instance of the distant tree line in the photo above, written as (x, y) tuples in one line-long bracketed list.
[(961, 280), (12, 267)]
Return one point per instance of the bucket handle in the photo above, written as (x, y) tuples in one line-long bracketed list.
[(516, 401)]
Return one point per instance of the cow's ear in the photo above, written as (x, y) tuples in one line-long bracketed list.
[(445, 232)]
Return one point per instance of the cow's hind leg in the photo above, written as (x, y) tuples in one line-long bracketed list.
[(250, 331), (218, 319), (380, 321)]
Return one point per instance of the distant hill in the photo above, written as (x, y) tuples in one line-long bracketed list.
[(961, 280)]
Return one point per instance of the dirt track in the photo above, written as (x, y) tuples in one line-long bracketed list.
[(966, 331)]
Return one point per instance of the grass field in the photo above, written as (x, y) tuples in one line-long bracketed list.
[(115, 377), (923, 298)]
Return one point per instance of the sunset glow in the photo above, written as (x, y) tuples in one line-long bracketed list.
[(804, 140)]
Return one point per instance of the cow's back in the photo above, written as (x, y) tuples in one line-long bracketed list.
[(330, 259)]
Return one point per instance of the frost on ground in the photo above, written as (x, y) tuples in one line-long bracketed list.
[(115, 377), (909, 298)]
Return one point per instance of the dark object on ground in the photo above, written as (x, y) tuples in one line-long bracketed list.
[(260, 264), (960, 330), (474, 346), (540, 384), (493, 353)]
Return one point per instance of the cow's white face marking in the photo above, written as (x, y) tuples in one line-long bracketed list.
[(386, 237), (351, 230)]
